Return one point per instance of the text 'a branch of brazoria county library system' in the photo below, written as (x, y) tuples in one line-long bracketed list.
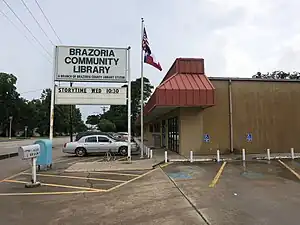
[(90, 60)]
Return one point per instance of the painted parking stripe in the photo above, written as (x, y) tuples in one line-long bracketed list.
[(290, 169), (218, 175), (75, 177), (165, 164), (129, 181), (13, 176), (58, 185), (46, 193), (115, 173)]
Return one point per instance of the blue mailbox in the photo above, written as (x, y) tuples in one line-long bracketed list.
[(44, 160)]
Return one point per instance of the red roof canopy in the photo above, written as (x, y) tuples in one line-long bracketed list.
[(186, 87)]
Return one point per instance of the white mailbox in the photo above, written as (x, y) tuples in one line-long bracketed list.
[(29, 151)]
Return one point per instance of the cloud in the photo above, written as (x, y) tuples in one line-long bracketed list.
[(235, 37)]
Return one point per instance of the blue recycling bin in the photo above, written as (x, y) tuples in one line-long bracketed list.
[(44, 160)]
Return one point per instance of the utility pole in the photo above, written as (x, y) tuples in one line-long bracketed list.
[(71, 118), (10, 124)]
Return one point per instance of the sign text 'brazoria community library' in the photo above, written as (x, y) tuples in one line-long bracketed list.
[(90, 64)]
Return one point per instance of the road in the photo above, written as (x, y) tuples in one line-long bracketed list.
[(15, 164), (12, 146)]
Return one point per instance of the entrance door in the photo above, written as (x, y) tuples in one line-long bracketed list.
[(173, 134)]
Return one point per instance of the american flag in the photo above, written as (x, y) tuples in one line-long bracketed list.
[(149, 58)]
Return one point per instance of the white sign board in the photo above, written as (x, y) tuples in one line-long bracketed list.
[(90, 64), (90, 95), (29, 151)]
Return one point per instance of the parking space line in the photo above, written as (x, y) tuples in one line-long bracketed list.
[(112, 173), (290, 169), (75, 177), (129, 181), (13, 176), (58, 185), (46, 193), (218, 175)]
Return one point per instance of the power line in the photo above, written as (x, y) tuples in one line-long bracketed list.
[(28, 39), (48, 21), (26, 27), (37, 22)]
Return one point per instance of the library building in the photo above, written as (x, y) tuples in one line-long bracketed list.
[(191, 111)]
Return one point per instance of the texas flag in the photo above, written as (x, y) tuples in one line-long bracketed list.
[(149, 58)]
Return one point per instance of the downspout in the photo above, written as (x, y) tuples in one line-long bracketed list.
[(230, 115)]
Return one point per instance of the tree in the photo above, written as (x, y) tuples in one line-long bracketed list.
[(34, 114), (93, 119), (106, 126), (277, 74), (118, 113)]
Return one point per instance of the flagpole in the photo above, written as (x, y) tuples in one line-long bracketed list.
[(142, 89)]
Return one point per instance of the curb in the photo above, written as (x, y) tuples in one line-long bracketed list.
[(157, 164), (8, 155)]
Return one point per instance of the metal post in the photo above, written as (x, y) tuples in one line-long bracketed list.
[(244, 154), (71, 118), (10, 125), (33, 170), (148, 152), (268, 154), (25, 132), (151, 153), (52, 97), (142, 86), (292, 153), (218, 156), (166, 156), (191, 156), (129, 105)]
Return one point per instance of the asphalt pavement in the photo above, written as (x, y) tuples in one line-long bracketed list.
[(9, 147)]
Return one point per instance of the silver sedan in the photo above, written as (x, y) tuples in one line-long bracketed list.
[(98, 144)]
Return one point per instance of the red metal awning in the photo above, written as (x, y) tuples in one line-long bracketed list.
[(182, 90)]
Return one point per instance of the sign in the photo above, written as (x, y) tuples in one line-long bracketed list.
[(206, 138), (90, 95), (94, 64), (29, 151), (249, 137)]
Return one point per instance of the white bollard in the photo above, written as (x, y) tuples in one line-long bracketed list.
[(268, 154), (151, 153), (244, 154), (292, 153), (166, 156), (218, 155), (191, 156)]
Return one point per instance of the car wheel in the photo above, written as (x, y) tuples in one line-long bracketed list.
[(123, 150), (80, 152)]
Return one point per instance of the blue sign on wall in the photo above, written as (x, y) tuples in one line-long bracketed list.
[(249, 137), (206, 138)]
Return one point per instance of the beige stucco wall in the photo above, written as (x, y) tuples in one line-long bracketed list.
[(268, 110), (191, 130)]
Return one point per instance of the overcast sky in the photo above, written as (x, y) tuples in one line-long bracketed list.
[(236, 38)]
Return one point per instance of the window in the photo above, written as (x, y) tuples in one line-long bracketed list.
[(103, 139), (91, 139)]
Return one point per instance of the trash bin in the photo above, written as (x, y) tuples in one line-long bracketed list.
[(44, 160)]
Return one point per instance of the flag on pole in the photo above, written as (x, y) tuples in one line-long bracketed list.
[(149, 58)]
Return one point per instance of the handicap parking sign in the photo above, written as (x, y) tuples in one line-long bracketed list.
[(249, 137), (206, 138)]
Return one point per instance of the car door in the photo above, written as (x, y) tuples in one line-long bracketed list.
[(91, 144), (104, 144)]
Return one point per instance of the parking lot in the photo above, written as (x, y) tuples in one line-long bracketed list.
[(256, 192), (56, 181), (241, 193)]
